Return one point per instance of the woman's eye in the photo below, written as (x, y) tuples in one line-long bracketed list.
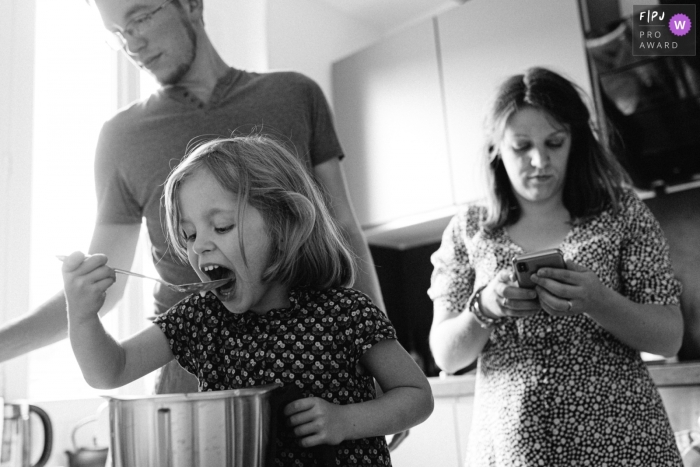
[(221, 230), (186, 237), (556, 144), (521, 148)]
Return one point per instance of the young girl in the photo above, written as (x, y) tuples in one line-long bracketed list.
[(245, 209)]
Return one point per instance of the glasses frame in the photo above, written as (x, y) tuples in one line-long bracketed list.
[(133, 28)]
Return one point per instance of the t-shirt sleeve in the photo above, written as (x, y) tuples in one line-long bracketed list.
[(115, 204), (324, 143), (453, 276), (368, 325), (646, 272), (179, 324)]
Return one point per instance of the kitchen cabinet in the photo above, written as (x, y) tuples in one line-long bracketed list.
[(484, 42), (390, 121), (409, 109)]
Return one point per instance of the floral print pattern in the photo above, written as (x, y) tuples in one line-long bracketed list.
[(316, 344), (562, 390)]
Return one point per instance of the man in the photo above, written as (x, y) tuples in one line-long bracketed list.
[(201, 96)]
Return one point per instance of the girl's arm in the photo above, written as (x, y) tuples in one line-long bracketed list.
[(406, 402), (657, 329), (104, 362)]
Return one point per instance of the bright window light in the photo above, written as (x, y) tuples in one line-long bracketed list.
[(74, 94)]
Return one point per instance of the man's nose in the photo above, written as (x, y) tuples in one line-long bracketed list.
[(133, 44)]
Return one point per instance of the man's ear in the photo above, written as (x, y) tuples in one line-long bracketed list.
[(194, 8)]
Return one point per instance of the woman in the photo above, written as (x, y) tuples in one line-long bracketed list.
[(559, 377)]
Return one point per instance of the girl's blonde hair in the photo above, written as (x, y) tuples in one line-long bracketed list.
[(307, 248)]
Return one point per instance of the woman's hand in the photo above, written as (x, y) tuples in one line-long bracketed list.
[(503, 297), (570, 291), (86, 280), (316, 421)]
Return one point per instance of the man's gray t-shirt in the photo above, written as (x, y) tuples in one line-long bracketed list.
[(139, 147)]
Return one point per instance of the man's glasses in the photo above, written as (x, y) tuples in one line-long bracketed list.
[(137, 27)]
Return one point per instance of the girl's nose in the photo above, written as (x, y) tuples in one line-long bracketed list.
[(202, 245)]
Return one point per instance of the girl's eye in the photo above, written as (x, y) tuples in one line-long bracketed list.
[(187, 238), (521, 148), (556, 144), (221, 230)]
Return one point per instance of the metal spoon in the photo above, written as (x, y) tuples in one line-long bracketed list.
[(185, 288)]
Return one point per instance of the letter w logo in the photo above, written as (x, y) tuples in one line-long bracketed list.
[(680, 25)]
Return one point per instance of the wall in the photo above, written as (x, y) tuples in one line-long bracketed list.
[(16, 99), (308, 36), (299, 35)]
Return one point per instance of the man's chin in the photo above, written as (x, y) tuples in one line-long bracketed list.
[(170, 78)]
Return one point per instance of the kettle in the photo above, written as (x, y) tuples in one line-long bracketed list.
[(16, 435), (85, 456)]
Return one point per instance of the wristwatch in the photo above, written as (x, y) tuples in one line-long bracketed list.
[(475, 308)]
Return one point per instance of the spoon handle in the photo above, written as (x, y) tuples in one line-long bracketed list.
[(130, 273), (125, 272)]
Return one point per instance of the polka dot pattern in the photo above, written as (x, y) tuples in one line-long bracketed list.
[(315, 344), (562, 390)]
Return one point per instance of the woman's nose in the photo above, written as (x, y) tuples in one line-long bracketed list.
[(539, 158)]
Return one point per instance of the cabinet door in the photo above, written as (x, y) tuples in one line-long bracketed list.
[(390, 121), (482, 43)]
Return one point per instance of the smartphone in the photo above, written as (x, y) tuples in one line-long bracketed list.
[(526, 265)]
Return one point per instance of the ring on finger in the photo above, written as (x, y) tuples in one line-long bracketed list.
[(504, 302), (569, 306)]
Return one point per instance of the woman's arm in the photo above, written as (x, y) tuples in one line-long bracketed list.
[(457, 338), (657, 329), (406, 402)]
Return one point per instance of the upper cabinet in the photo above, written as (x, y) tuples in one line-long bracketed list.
[(390, 121), (484, 42), (409, 109)]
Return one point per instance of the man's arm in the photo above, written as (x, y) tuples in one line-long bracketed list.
[(48, 323), (331, 177)]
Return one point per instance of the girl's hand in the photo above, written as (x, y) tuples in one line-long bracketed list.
[(503, 297), (86, 280), (571, 291), (316, 421)]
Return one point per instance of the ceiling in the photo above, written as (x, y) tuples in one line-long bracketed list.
[(387, 15)]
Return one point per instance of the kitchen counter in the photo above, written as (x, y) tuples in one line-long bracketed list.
[(676, 374)]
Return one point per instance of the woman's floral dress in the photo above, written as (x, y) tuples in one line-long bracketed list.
[(562, 390)]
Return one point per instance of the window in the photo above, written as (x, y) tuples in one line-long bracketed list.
[(75, 92)]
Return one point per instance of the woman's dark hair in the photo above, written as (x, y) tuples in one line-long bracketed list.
[(594, 178)]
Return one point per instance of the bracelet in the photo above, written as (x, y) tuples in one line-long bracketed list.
[(475, 308)]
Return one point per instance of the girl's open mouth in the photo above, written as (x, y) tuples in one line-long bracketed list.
[(216, 272)]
